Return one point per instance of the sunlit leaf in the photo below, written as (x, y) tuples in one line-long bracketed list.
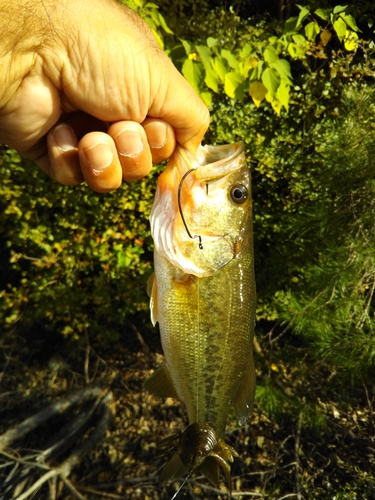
[(282, 94), (350, 21), (340, 27), (271, 80), (220, 67), (270, 55), (282, 66), (351, 41), (311, 30), (233, 81), (194, 73), (187, 46), (206, 97), (212, 42), (290, 25), (304, 12), (257, 92), (322, 13), (339, 8), (245, 51), (164, 25), (232, 61), (212, 80)]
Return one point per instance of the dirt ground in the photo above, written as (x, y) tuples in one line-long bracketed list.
[(278, 459)]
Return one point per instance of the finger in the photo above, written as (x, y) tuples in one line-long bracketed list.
[(181, 107), (132, 148), (161, 139), (99, 162), (62, 144)]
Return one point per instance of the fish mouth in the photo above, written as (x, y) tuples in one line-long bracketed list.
[(218, 161)]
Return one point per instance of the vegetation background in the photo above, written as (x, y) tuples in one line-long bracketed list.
[(295, 82)]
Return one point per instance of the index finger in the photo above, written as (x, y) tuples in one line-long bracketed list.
[(183, 109)]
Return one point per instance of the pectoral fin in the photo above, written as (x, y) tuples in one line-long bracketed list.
[(152, 291), (160, 383), (244, 400)]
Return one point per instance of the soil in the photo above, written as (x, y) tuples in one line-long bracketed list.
[(279, 458)]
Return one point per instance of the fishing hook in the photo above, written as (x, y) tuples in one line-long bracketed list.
[(180, 208)]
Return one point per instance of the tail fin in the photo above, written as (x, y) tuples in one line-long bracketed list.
[(198, 446)]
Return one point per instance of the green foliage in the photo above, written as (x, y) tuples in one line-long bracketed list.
[(259, 65), (150, 13), (73, 259)]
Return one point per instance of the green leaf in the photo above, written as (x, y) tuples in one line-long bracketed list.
[(211, 78), (299, 40), (257, 92), (177, 53), (304, 12), (290, 25), (323, 13), (220, 67), (339, 8), (158, 38), (164, 25), (232, 61), (245, 51), (350, 21), (270, 55), (282, 66), (351, 41), (282, 94), (212, 42), (205, 55), (271, 80), (232, 85), (340, 27), (206, 97), (186, 45), (311, 30), (194, 73)]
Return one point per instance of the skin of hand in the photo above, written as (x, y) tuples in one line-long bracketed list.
[(87, 93)]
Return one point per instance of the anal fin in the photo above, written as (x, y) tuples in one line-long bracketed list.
[(160, 383)]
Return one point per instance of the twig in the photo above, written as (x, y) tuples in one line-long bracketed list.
[(38, 484), (21, 430)]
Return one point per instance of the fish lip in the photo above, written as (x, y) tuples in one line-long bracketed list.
[(214, 162)]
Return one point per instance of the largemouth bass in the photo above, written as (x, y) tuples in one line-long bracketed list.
[(203, 296)]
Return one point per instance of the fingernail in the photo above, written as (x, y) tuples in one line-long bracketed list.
[(100, 156), (128, 142), (65, 138), (156, 134)]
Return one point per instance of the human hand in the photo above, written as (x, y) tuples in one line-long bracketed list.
[(87, 93)]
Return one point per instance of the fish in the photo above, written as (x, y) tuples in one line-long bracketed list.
[(202, 294)]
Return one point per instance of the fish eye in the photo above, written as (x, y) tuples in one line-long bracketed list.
[(238, 193)]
